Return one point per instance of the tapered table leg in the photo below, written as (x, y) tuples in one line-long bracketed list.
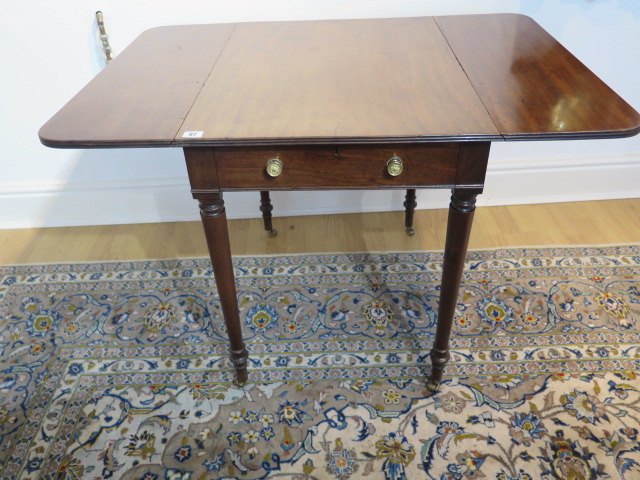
[(266, 208), (463, 204), (214, 220), (410, 205)]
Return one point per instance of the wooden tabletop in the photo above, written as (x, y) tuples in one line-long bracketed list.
[(475, 77)]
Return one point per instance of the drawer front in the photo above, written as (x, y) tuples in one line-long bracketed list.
[(336, 167)]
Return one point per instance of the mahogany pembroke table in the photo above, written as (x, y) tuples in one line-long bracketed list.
[(398, 103)]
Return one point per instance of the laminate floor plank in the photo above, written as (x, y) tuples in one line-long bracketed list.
[(578, 223)]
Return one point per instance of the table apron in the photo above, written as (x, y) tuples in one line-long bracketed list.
[(437, 165)]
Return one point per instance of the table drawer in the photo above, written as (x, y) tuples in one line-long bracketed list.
[(335, 167)]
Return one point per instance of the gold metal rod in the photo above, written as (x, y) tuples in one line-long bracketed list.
[(104, 38)]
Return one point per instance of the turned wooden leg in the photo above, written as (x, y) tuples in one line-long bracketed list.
[(410, 205), (214, 220), (266, 208), (463, 204)]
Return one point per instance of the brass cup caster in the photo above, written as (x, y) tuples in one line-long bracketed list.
[(433, 386)]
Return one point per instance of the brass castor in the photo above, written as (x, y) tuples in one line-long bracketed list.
[(241, 378), (433, 386), (273, 233), (410, 231), (238, 384)]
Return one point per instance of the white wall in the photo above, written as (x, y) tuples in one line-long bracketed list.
[(49, 51)]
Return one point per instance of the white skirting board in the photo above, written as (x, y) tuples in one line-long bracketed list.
[(169, 199)]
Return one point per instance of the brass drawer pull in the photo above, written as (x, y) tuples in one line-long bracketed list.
[(394, 166), (274, 167)]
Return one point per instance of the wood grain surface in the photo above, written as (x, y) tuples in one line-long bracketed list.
[(530, 84), (318, 168), (142, 97), (348, 80), (577, 223), (402, 80)]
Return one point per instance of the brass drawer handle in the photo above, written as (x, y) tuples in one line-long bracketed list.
[(274, 167), (394, 166)]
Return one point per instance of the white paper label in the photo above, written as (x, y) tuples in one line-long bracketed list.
[(192, 134)]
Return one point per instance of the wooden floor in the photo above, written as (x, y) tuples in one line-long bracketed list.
[(583, 223)]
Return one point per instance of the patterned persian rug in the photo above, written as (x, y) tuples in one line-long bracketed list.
[(120, 370)]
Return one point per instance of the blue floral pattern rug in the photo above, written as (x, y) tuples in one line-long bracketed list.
[(120, 370)]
